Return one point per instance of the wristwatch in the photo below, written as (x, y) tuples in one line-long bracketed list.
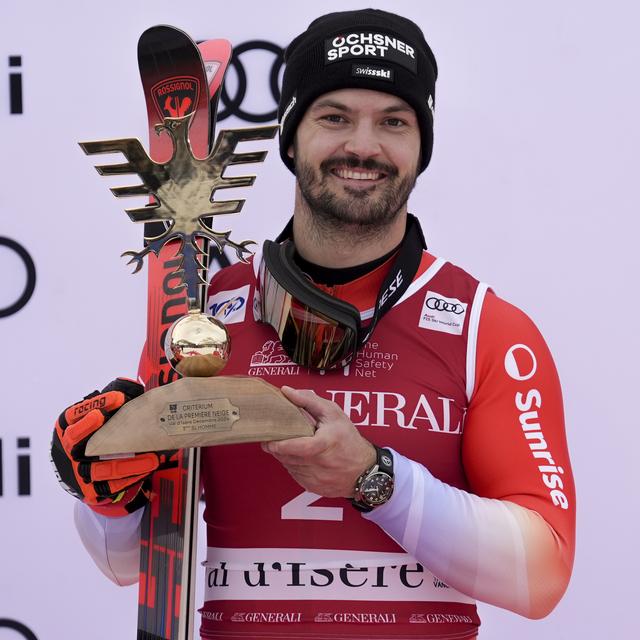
[(375, 486)]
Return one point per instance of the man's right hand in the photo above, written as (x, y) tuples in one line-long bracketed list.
[(112, 487)]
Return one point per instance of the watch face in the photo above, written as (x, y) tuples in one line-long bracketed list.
[(376, 489)]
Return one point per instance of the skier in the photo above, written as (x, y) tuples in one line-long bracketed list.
[(438, 473)]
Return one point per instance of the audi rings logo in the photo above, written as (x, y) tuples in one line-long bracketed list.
[(30, 284), (233, 105), (438, 304), (14, 625)]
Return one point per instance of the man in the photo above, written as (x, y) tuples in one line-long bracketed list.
[(437, 406)]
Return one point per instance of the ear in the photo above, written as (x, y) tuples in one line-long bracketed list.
[(290, 151)]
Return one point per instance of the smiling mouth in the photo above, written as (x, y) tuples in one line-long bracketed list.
[(358, 174)]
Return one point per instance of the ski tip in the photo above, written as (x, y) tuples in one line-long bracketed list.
[(162, 35), (221, 45)]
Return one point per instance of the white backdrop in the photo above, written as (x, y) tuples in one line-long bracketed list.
[(533, 188)]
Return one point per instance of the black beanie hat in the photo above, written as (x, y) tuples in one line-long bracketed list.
[(366, 49)]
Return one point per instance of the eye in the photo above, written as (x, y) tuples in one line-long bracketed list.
[(395, 122), (333, 118)]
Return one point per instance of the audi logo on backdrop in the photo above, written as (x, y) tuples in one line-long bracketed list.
[(30, 270), (233, 105), (14, 625)]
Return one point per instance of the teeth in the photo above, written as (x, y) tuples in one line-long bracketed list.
[(357, 175)]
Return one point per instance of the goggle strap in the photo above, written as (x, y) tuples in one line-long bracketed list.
[(400, 276)]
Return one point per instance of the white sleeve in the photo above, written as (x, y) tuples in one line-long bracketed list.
[(484, 548), (113, 543)]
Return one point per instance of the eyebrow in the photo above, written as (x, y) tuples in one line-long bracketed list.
[(332, 104)]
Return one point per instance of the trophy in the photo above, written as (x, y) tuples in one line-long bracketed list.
[(200, 408), (230, 410)]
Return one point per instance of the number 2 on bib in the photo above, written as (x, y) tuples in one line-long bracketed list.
[(301, 508)]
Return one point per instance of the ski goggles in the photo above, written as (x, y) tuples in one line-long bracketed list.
[(316, 330)]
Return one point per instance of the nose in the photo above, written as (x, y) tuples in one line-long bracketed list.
[(362, 141)]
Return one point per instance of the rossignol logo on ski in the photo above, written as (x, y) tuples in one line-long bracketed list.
[(365, 44), (211, 68), (176, 97)]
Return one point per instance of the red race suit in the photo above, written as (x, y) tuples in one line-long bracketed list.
[(462, 387)]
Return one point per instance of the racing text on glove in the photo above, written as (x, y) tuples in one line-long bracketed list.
[(112, 487)]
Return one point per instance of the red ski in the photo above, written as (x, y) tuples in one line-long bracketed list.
[(175, 84)]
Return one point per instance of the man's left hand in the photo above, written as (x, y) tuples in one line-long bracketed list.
[(329, 462)]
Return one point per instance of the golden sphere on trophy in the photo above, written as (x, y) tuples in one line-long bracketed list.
[(197, 345)]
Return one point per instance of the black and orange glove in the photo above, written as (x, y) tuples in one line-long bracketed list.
[(112, 487)]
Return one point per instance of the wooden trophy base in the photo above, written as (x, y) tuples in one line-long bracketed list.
[(200, 412)]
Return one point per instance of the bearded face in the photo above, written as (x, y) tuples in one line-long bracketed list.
[(334, 197), (356, 154)]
